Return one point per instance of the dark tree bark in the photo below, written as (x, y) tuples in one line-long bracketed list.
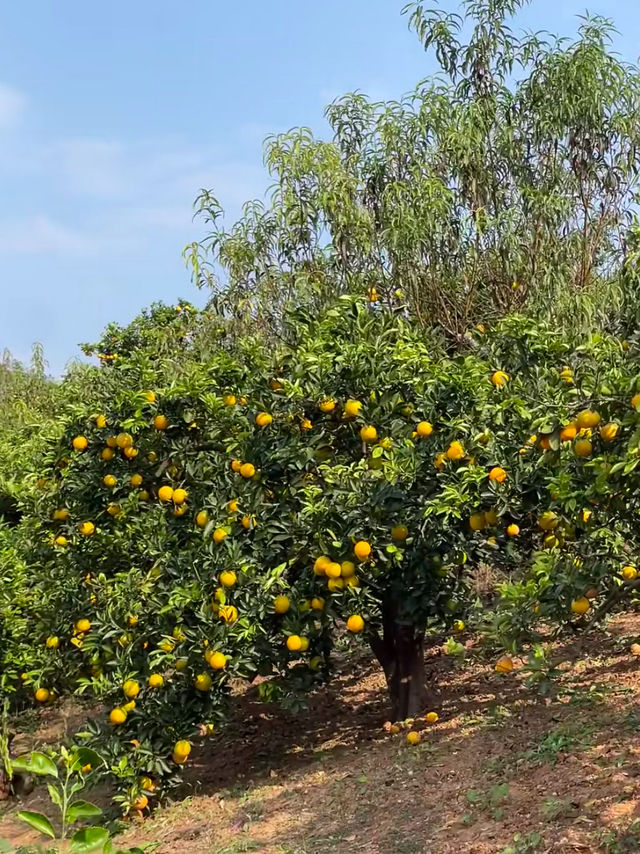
[(400, 652)]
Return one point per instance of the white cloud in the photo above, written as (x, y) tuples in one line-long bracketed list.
[(12, 104), (39, 234)]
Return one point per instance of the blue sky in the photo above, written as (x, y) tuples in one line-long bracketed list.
[(113, 115)]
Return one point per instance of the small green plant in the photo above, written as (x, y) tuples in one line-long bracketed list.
[(541, 673), (523, 844), (491, 800), (555, 808), (67, 773)]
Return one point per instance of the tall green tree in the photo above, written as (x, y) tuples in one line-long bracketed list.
[(505, 182)]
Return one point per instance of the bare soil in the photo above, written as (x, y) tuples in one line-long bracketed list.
[(504, 771)]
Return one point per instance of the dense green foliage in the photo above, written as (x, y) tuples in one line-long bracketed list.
[(423, 353)]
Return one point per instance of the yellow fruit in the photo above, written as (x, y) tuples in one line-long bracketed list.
[(61, 541), (413, 737), (109, 480), (431, 717), (635, 401), (304, 644), (203, 682), (42, 695), (275, 385), (123, 440), (181, 752), (320, 565), (327, 405), (112, 442), (161, 422), (101, 422), (440, 460), (399, 532), (114, 510), (368, 434), (352, 408), (216, 660), (130, 453), (263, 419), (629, 572), (587, 419), (117, 716), (82, 626), (347, 569), (181, 664), (362, 550), (352, 581), (219, 534), (80, 443), (305, 424), (504, 664), (424, 429), (149, 396), (247, 470), (580, 605), (165, 493), (52, 642), (355, 624), (140, 803), (513, 530), (133, 620), (61, 514), (582, 448), (135, 480), (167, 645), (281, 604), (491, 517), (228, 578), (608, 432), (548, 520), (455, 451), (568, 433), (497, 474), (551, 541), (317, 603), (236, 465), (229, 400), (294, 643), (228, 613), (333, 570), (232, 506), (131, 688), (202, 518), (499, 378), (477, 521), (458, 625), (179, 496), (107, 454)]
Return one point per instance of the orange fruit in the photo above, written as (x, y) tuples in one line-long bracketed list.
[(203, 682), (455, 451), (587, 418), (217, 660), (399, 532), (513, 530), (247, 470), (107, 454), (498, 474), (263, 419), (568, 433), (413, 737), (117, 716), (424, 429), (165, 493), (355, 624), (80, 443), (362, 550), (352, 408), (228, 578), (87, 528), (317, 603), (477, 521), (179, 496), (109, 480), (294, 643), (131, 689), (333, 570), (135, 480), (347, 569), (368, 434), (580, 605), (219, 534), (608, 432), (281, 604), (161, 422), (582, 448), (236, 465), (42, 695), (320, 565), (499, 378), (431, 717), (202, 518), (327, 405), (123, 440), (504, 664)]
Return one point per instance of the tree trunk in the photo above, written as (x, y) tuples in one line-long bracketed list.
[(400, 651)]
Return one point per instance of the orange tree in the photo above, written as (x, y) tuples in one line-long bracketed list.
[(229, 518)]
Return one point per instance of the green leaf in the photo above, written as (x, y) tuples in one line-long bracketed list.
[(88, 839), (38, 821), (37, 763), (5, 846), (82, 809), (54, 795), (86, 756)]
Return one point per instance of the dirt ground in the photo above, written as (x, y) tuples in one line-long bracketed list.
[(504, 771)]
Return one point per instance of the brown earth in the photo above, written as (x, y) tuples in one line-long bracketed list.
[(504, 771)]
